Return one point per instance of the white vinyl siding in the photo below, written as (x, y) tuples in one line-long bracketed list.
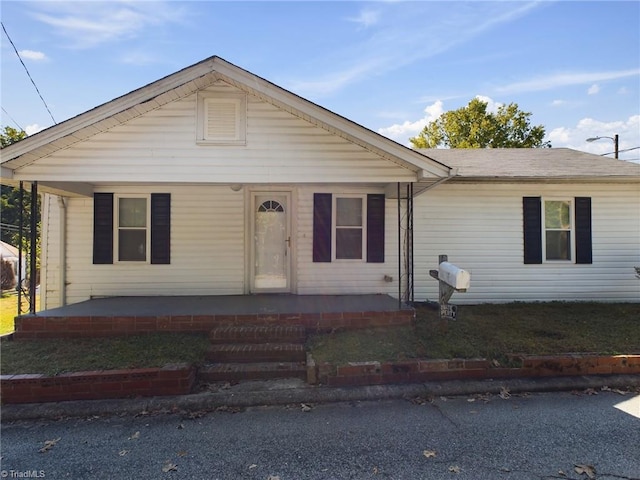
[(480, 228), (161, 146), (207, 248), (345, 276)]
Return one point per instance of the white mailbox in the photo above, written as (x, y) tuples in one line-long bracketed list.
[(454, 276)]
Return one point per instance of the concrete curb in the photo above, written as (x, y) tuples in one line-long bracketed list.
[(283, 393)]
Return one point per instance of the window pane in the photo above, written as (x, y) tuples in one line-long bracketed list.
[(132, 212), (132, 245), (349, 243), (557, 215), (349, 212), (558, 245)]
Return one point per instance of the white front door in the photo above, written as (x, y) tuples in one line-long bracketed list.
[(271, 242)]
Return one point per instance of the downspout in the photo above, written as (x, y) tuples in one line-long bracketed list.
[(63, 250)]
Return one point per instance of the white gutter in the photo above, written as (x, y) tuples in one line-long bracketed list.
[(452, 173)]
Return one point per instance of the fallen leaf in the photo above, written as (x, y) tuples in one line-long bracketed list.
[(135, 436), (305, 407), (504, 393), (485, 397), (471, 399), (375, 470), (495, 363), (228, 409), (613, 390), (122, 453), (588, 470), (505, 469), (180, 427), (421, 400), (429, 453), (454, 469), (170, 467), (561, 473), (273, 477), (198, 414), (183, 453), (252, 466), (49, 444)]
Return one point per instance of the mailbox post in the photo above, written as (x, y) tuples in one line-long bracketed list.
[(450, 279)]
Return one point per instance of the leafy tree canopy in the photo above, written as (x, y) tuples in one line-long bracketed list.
[(10, 135), (474, 127)]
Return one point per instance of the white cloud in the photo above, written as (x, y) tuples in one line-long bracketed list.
[(367, 18), (492, 106), (401, 132), (557, 103), (33, 128), (565, 79), (401, 38), (87, 24), (32, 55), (628, 132), (593, 89)]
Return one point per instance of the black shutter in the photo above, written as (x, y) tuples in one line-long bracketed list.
[(161, 228), (102, 228), (532, 220), (322, 207), (583, 230), (375, 228)]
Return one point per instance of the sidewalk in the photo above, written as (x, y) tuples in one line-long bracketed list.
[(285, 392)]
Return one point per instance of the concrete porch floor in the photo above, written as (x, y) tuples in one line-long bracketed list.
[(226, 305)]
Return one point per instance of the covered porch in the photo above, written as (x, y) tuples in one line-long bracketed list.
[(112, 316)]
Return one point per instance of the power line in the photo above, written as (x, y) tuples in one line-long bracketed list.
[(12, 119), (28, 74), (620, 151)]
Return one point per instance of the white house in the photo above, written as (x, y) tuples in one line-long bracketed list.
[(214, 181)]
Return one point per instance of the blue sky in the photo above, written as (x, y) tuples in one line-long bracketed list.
[(391, 66)]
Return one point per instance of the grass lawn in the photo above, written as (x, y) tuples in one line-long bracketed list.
[(55, 356), (488, 331), (9, 310), (492, 331)]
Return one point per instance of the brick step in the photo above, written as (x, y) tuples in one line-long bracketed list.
[(258, 334), (256, 353), (232, 372)]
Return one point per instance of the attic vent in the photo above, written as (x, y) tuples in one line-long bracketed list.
[(221, 119)]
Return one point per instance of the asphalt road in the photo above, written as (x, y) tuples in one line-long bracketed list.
[(537, 436)]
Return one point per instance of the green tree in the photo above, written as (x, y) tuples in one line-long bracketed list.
[(10, 205), (474, 127), (10, 135)]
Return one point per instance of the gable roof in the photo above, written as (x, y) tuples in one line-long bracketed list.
[(188, 81), (535, 164)]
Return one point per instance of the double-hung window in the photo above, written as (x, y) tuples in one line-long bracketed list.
[(558, 230), (131, 228), (349, 237), (348, 227), (132, 220)]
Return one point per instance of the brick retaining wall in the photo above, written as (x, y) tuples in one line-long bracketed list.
[(417, 371), (176, 379), (34, 326)]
